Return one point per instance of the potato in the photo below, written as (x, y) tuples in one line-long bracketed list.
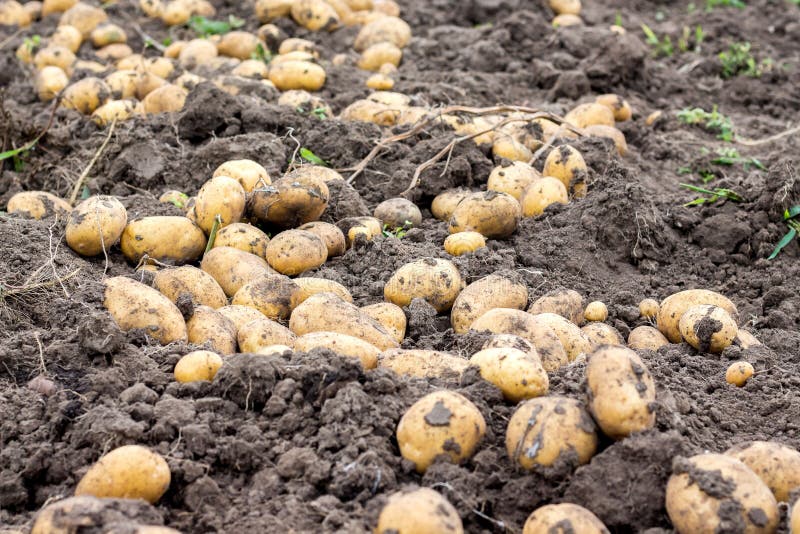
[(385, 29), (188, 81), (247, 172), (380, 82), (391, 99), (609, 132), (165, 99), (710, 493), (54, 56), (421, 511), (50, 81), (777, 465), (463, 242), (326, 312), (238, 44), (505, 146), (565, 302), (243, 236), (493, 214), (257, 334), (602, 334), (197, 52), (794, 525), (379, 54), (134, 305), (176, 12), (273, 295), (707, 328), (746, 340), (268, 10), (207, 325), (295, 74), (369, 227), (276, 350), (509, 341), (390, 316), (596, 311), (674, 306), (12, 13), (618, 106), (546, 429), (37, 205), (566, 164), (296, 55), (331, 235), (146, 84), (94, 67), (83, 17), (308, 170), (241, 315), (69, 37), (621, 392), (292, 252), (648, 308), (233, 268), (295, 44), (114, 110), (436, 281), (251, 68), (421, 363), (200, 365), (221, 197), (370, 111), (739, 373), (524, 325), (589, 114), (304, 102), (314, 15), (565, 7), (86, 95), (565, 516), (106, 34), (159, 66), (341, 344), (573, 339), (646, 338), (541, 194), (442, 423), (493, 291), (445, 203), (311, 286), (196, 284), (163, 238), (291, 201), (398, 213), (512, 179), (95, 225), (112, 516), (387, 7), (56, 6), (127, 472), (518, 374)]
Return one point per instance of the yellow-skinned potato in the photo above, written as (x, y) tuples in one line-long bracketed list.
[(114, 110), (269, 10), (444, 204), (317, 171), (794, 521), (618, 106), (176, 198), (646, 338), (275, 296), (330, 234), (251, 68), (386, 7), (56, 56), (565, 7), (273, 350), (385, 29), (440, 423), (422, 511), (777, 465), (510, 341), (738, 373), (207, 325), (295, 55), (565, 302), (596, 311), (708, 328), (518, 374), (391, 316), (314, 15), (188, 81), (602, 334), (541, 194), (492, 214), (84, 17), (197, 284), (512, 179), (326, 312), (621, 392), (370, 111), (295, 74), (106, 34), (220, 197), (566, 164), (67, 36), (292, 252), (369, 227), (648, 308), (241, 315), (238, 44), (95, 225), (380, 82), (311, 286), (745, 339), (160, 66), (554, 517), (524, 325), (163, 238), (342, 344), (493, 291), (152, 8), (421, 363), (573, 339), (436, 281), (197, 52), (291, 201), (56, 6), (255, 335), (379, 54), (174, 49), (295, 44), (306, 102), (86, 95), (176, 12), (584, 115), (233, 268), (12, 13), (94, 67), (739, 496), (674, 306), (200, 365), (50, 81), (389, 98), (129, 472), (507, 147), (146, 83), (165, 99), (247, 172), (37, 205), (134, 305), (243, 236), (609, 132), (398, 213), (463, 243), (544, 429)]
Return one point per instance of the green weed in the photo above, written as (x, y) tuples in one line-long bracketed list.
[(398, 232), (309, 156), (711, 196), (739, 60), (205, 27), (711, 4), (792, 218), (713, 121)]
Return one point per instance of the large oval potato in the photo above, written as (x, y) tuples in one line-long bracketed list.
[(342, 344), (134, 305), (243, 236), (565, 302), (253, 336), (493, 291), (421, 363), (621, 391), (290, 201), (584, 115), (95, 225), (220, 197), (601, 334), (646, 338), (293, 74), (330, 234), (518, 374), (187, 280), (492, 214), (422, 511), (568, 165), (777, 465), (512, 179), (233, 268), (314, 15), (37, 205), (163, 238), (127, 472), (708, 328), (384, 29), (674, 306), (245, 171), (311, 286), (542, 193), (207, 325), (273, 295), (573, 339), (292, 252), (564, 517), (436, 281), (391, 316)]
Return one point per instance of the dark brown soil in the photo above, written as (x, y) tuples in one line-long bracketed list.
[(305, 442)]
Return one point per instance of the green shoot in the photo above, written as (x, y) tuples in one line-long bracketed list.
[(32, 43), (261, 54), (320, 113), (731, 156), (618, 19), (205, 27), (213, 235), (791, 216), (398, 232), (713, 195), (713, 121), (711, 4), (309, 156), (181, 201), (660, 46), (738, 60)]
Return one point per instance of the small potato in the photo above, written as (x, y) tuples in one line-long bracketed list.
[(380, 82), (56, 6), (493, 291), (168, 98), (106, 34), (541, 194), (390, 316), (255, 335), (196, 284), (746, 340), (445, 203), (492, 214), (646, 338), (573, 339), (369, 227), (546, 429), (463, 242), (84, 17), (67, 36), (507, 147), (295, 44), (292, 252), (12, 13), (293, 74), (304, 102), (420, 363), (596, 311), (50, 81), (708, 328), (385, 29), (379, 54), (134, 305), (708, 492), (188, 81), (421, 511), (176, 198), (518, 374), (207, 325), (566, 164), (152, 8), (114, 111), (370, 111), (38, 205), (275, 296), (566, 20), (777, 465), (238, 44), (220, 199), (86, 95), (55, 56), (233, 268), (674, 306), (200, 365), (269, 10), (331, 235), (512, 179), (127, 472), (243, 236), (291, 201), (163, 238), (564, 302), (342, 344), (648, 308), (602, 334), (197, 52), (553, 517), (174, 49), (618, 106), (311, 286), (436, 281), (621, 392), (442, 423), (739, 373), (308, 171), (391, 99), (95, 225), (159, 66), (609, 132), (247, 172), (314, 15), (398, 213)]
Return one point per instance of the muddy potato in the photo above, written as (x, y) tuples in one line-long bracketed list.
[(777, 465), (167, 98), (314, 15), (398, 213), (251, 68), (421, 511), (708, 328), (238, 44), (86, 95), (247, 172), (134, 305), (128, 472), (618, 106), (391, 99), (602, 334), (370, 111), (444, 204), (50, 81), (67, 36), (421, 363), (574, 340), (197, 52), (518, 374), (380, 82), (326, 312), (330, 234), (463, 243), (493, 291), (379, 54), (565, 7), (106, 34), (207, 325), (436, 281), (241, 315), (351, 227), (94, 67), (176, 198), (55, 56), (273, 350), (114, 111), (304, 102), (341, 344), (269, 10), (591, 113), (621, 391), (385, 29), (674, 306), (221, 199), (565, 302), (292, 252), (596, 311), (566, 164), (243, 236), (200, 365), (233, 268), (571, 517), (295, 74), (646, 338), (291, 201), (37, 205), (295, 44), (95, 225), (256, 335), (512, 179), (648, 308), (275, 296), (12, 13), (83, 17), (146, 83), (695, 507), (296, 55), (609, 132), (545, 429), (507, 147), (163, 238), (492, 214), (62, 516), (195, 283), (188, 81), (176, 12), (738, 373), (56, 6), (541, 194), (391, 316), (311, 286)]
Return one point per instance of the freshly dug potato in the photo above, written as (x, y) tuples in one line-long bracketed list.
[(387, 7), (380, 82), (233, 268), (421, 363), (709, 493), (255, 335), (83, 17), (95, 225), (134, 305), (291, 201), (62, 516), (114, 110), (385, 29), (241, 315), (295, 44), (67, 36), (304, 102), (565, 516), (442, 423), (294, 74), (13, 14), (584, 115), (248, 173), (369, 227), (596, 311), (618, 106), (167, 98), (389, 98), (421, 511), (522, 324), (311, 286), (198, 365), (207, 325), (390, 316), (317, 171), (251, 68), (646, 338), (746, 340), (90, 66), (609, 132), (56, 6), (512, 179), (398, 213), (198, 285), (146, 84), (238, 44), (739, 373), (621, 392), (545, 429), (371, 111), (518, 374), (269, 10), (292, 252), (708, 328), (55, 56), (566, 164), (159, 66), (86, 95), (314, 15), (507, 147), (379, 54), (297, 55), (341, 344), (777, 465), (243, 236), (326, 312), (565, 302), (492, 214), (163, 238), (648, 308), (541, 194), (38, 205), (106, 34), (221, 198), (510, 341), (674, 306), (436, 281), (330, 234), (50, 81), (197, 52), (188, 81), (463, 243), (127, 472), (602, 334), (493, 291), (273, 295), (573, 339)]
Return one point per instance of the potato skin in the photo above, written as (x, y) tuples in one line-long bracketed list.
[(330, 234), (648, 308), (493, 214), (566, 164), (292, 252), (493, 291), (311, 286), (197, 284), (542, 193), (573, 339), (233, 268), (621, 391), (50, 81), (273, 295), (384, 29), (463, 242), (127, 472), (567, 516), (512, 179), (293, 74), (207, 325), (134, 305), (95, 225), (398, 213), (674, 306), (253, 336), (738, 373), (596, 311), (618, 106), (436, 281), (163, 238), (37, 205), (444, 204), (342, 344), (86, 95), (591, 113), (777, 465), (290, 201), (200, 365), (221, 196), (601, 334), (646, 338), (565, 302), (519, 375), (435, 422), (247, 172), (391, 316), (244, 237), (422, 363), (708, 328), (421, 511)]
